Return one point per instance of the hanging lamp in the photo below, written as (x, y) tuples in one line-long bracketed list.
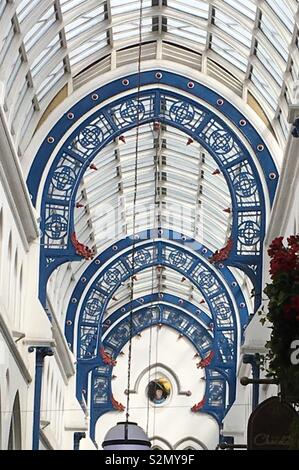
[(128, 435)]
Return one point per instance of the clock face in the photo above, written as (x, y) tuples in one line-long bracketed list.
[(158, 390)]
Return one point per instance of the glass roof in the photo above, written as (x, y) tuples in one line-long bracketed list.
[(176, 189), (50, 48), (47, 44)]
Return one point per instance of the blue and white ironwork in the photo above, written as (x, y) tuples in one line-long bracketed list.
[(193, 265), (251, 177), (174, 108), (189, 321)]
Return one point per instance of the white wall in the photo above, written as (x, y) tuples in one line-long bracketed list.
[(24, 323), (173, 422)]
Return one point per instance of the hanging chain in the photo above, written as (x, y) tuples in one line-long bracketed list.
[(157, 153), (134, 225)]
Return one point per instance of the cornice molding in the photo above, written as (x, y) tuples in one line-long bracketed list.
[(12, 178), (14, 350)]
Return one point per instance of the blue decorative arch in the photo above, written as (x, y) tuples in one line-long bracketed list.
[(201, 122), (219, 375), (153, 253)]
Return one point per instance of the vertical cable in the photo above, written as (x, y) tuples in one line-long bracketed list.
[(134, 225), (156, 157)]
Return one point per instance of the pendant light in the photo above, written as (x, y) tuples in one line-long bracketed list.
[(128, 435)]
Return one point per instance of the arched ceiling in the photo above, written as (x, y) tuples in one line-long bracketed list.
[(176, 188), (52, 49), (182, 184), (49, 48)]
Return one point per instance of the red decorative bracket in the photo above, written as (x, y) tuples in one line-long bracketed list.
[(189, 141), (116, 405), (199, 406), (156, 126), (206, 361), (81, 249), (223, 254), (216, 172), (107, 359)]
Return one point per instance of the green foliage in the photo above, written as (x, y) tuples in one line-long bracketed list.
[(283, 314)]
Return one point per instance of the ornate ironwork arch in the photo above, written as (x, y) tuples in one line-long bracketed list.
[(200, 122), (218, 296), (219, 370)]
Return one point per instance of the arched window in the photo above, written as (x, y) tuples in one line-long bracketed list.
[(14, 439), (1, 238), (15, 293), (9, 271), (0, 422), (20, 296)]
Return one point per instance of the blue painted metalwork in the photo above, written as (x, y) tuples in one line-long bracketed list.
[(245, 181), (77, 438), (201, 253), (87, 141), (194, 324), (40, 354), (161, 253), (175, 109), (128, 114), (254, 361), (154, 253), (193, 265)]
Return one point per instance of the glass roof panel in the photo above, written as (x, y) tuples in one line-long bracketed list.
[(198, 8), (246, 7), (50, 81), (84, 22), (45, 56), (179, 191), (121, 7), (271, 65), (264, 88), (276, 39), (86, 49), (186, 31), (2, 6), (128, 30), (231, 54), (25, 8), (284, 13), (40, 28), (232, 27), (84, 34)]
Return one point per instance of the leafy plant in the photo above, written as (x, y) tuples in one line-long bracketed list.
[(283, 313)]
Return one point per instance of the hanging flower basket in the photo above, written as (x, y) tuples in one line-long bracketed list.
[(283, 315)]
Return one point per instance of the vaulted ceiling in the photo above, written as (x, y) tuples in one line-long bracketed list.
[(49, 48)]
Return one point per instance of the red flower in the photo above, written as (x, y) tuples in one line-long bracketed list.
[(291, 309), (293, 240), (293, 243), (283, 261), (276, 246)]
